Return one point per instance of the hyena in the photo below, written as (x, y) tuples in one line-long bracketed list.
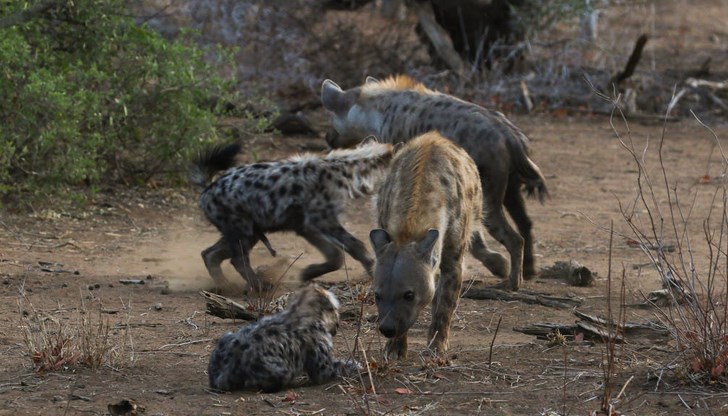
[(304, 194), (399, 109), (272, 353), (428, 207)]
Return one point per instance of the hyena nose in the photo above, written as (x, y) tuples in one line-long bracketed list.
[(387, 331)]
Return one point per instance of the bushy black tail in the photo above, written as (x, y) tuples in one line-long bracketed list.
[(211, 161), (527, 170)]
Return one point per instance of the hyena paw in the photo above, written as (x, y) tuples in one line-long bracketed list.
[(439, 346), (529, 273), (396, 349), (498, 265)]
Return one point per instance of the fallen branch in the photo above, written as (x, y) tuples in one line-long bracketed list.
[(522, 296), (632, 62), (593, 327), (225, 308)]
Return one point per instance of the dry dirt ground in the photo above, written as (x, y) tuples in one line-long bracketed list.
[(63, 267), (70, 262)]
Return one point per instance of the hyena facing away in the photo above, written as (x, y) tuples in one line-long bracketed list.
[(304, 194), (272, 353), (399, 109), (429, 207)]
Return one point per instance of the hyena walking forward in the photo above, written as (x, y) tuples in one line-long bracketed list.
[(428, 208), (399, 109), (271, 353), (304, 194)]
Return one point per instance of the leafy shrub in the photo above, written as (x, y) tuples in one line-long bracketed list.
[(88, 96)]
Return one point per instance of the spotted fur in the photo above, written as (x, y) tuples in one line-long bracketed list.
[(274, 352), (399, 109), (428, 208), (304, 194)]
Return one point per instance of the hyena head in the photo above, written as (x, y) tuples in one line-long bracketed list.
[(313, 303), (351, 119), (404, 279)]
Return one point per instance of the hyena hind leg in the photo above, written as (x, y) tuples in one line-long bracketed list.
[(240, 247), (516, 207), (334, 256), (492, 260), (213, 257), (502, 231)]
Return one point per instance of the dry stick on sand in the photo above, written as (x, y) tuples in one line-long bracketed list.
[(495, 334)]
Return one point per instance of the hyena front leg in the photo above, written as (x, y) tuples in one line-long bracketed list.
[(353, 246), (446, 300), (333, 254), (213, 256), (396, 348)]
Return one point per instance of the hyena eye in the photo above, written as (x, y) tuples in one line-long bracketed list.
[(409, 295)]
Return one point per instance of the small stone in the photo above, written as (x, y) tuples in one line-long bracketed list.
[(158, 306), (97, 285), (165, 291), (90, 287), (64, 285)]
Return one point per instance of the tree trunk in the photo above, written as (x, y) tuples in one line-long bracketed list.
[(482, 31)]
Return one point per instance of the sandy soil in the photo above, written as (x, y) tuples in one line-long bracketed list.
[(164, 337)]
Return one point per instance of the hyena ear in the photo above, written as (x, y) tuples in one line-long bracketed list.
[(426, 246), (371, 139), (397, 147), (333, 98), (371, 80), (379, 238)]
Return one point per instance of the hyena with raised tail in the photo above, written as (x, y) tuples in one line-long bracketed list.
[(304, 194), (399, 109), (429, 207)]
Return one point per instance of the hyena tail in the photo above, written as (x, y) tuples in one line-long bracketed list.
[(211, 161), (529, 172)]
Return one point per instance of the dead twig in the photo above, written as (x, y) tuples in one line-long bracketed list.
[(225, 308)]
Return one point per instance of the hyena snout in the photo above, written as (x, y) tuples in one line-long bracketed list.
[(388, 330)]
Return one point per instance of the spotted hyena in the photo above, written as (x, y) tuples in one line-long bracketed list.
[(305, 194), (272, 353), (399, 109), (429, 207)]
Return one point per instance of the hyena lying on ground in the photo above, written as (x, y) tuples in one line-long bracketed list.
[(304, 194), (429, 207), (399, 109), (270, 354)]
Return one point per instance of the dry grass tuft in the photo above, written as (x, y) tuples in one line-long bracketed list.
[(54, 344)]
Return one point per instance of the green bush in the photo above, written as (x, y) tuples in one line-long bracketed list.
[(87, 95)]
